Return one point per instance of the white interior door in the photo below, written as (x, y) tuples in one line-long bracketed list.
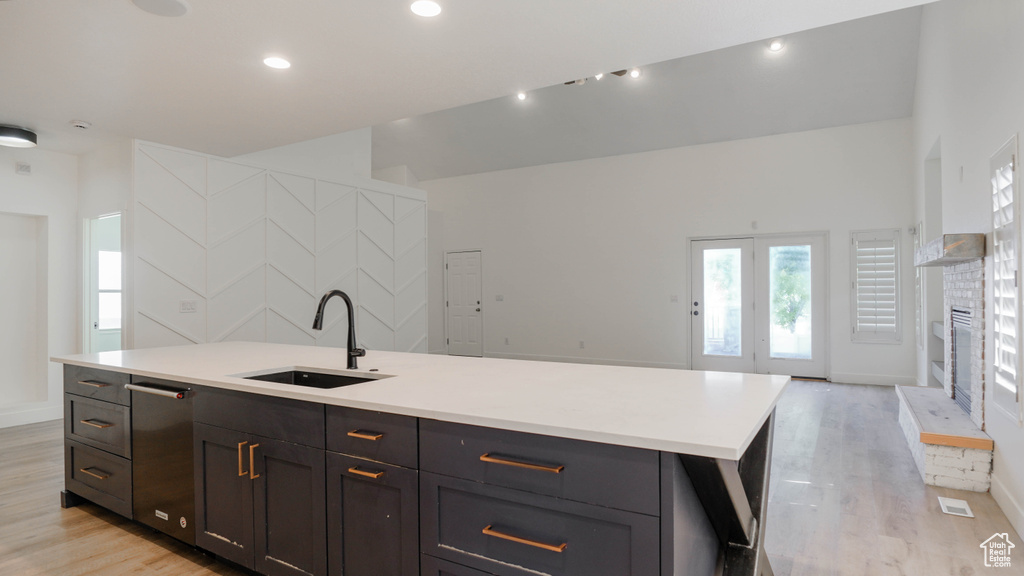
[(791, 335), (462, 298), (105, 283), (722, 305)]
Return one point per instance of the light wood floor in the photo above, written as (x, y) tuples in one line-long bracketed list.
[(845, 499)]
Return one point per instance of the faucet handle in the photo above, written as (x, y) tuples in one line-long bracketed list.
[(357, 352)]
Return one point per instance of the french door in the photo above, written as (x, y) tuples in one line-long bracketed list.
[(759, 305)]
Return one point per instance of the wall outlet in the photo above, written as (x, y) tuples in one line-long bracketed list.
[(581, 344), (500, 298), (187, 306), (673, 299)]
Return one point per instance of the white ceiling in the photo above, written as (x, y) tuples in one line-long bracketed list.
[(198, 81), (858, 71)]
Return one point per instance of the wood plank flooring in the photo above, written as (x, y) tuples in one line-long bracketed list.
[(845, 500)]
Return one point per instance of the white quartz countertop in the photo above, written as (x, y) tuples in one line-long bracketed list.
[(714, 414)]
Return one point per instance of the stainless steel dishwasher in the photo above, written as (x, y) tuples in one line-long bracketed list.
[(162, 480)]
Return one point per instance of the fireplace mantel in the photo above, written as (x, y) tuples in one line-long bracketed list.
[(951, 249)]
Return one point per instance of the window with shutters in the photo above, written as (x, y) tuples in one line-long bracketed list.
[(1005, 309), (875, 303)]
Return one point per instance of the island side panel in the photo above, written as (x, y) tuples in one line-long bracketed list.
[(689, 545)]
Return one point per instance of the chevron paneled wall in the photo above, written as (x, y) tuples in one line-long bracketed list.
[(254, 250)]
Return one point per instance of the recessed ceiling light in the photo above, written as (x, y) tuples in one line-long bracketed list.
[(521, 96), (776, 45), (275, 62), (169, 8), (634, 73), (17, 137), (425, 8), (599, 76)]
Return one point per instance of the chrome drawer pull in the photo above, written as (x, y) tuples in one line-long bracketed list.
[(374, 475), (495, 460), (552, 547), (101, 474), (96, 423), (93, 383), (364, 435)]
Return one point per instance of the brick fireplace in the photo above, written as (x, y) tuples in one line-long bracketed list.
[(964, 290)]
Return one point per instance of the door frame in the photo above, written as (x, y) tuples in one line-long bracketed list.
[(444, 275), (85, 266), (828, 304)]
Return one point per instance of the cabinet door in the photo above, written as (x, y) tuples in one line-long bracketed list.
[(290, 508), (372, 518), (224, 505)]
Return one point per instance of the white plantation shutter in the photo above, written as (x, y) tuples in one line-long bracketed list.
[(875, 256), (1004, 279)]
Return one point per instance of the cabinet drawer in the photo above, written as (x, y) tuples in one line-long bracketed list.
[(284, 419), (512, 533), (98, 384), (430, 566), (614, 476), (98, 476), (378, 436), (98, 424)]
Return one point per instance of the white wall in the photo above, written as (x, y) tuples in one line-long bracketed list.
[(337, 157), (105, 180), (50, 195), (254, 249), (969, 94), (593, 250), (23, 309)]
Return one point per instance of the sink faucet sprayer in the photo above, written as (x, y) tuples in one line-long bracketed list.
[(318, 324)]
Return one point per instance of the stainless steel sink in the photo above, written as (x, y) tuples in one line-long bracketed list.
[(310, 379)]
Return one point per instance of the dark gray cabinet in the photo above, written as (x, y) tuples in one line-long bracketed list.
[(372, 518), (97, 439), (261, 501), (372, 493), (436, 567)]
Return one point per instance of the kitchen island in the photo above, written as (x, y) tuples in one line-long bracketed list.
[(568, 468)]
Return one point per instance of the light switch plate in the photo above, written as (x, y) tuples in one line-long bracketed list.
[(187, 306)]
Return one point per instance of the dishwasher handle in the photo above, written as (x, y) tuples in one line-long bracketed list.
[(177, 394)]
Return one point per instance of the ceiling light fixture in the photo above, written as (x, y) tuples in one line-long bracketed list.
[(634, 73), (276, 62), (168, 8), (425, 8), (521, 96), (17, 137), (776, 45), (599, 76)]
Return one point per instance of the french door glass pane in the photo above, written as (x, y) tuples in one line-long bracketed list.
[(790, 301), (109, 264), (722, 305), (109, 310)]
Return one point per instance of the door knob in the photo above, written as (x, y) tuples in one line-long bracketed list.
[(477, 309)]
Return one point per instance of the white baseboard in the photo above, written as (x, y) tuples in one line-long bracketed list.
[(1008, 504), (873, 379), (584, 360), (438, 351), (31, 415)]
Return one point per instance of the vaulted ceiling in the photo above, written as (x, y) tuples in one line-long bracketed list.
[(198, 81)]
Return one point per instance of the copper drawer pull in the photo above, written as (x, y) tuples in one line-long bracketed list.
[(374, 475), (252, 467), (96, 423), (93, 383), (552, 547), (102, 475), (240, 471), (366, 435), (495, 460)]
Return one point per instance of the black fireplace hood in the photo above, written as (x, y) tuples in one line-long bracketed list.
[(951, 249)]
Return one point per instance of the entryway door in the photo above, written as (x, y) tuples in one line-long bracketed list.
[(463, 300), (759, 305), (104, 285)]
